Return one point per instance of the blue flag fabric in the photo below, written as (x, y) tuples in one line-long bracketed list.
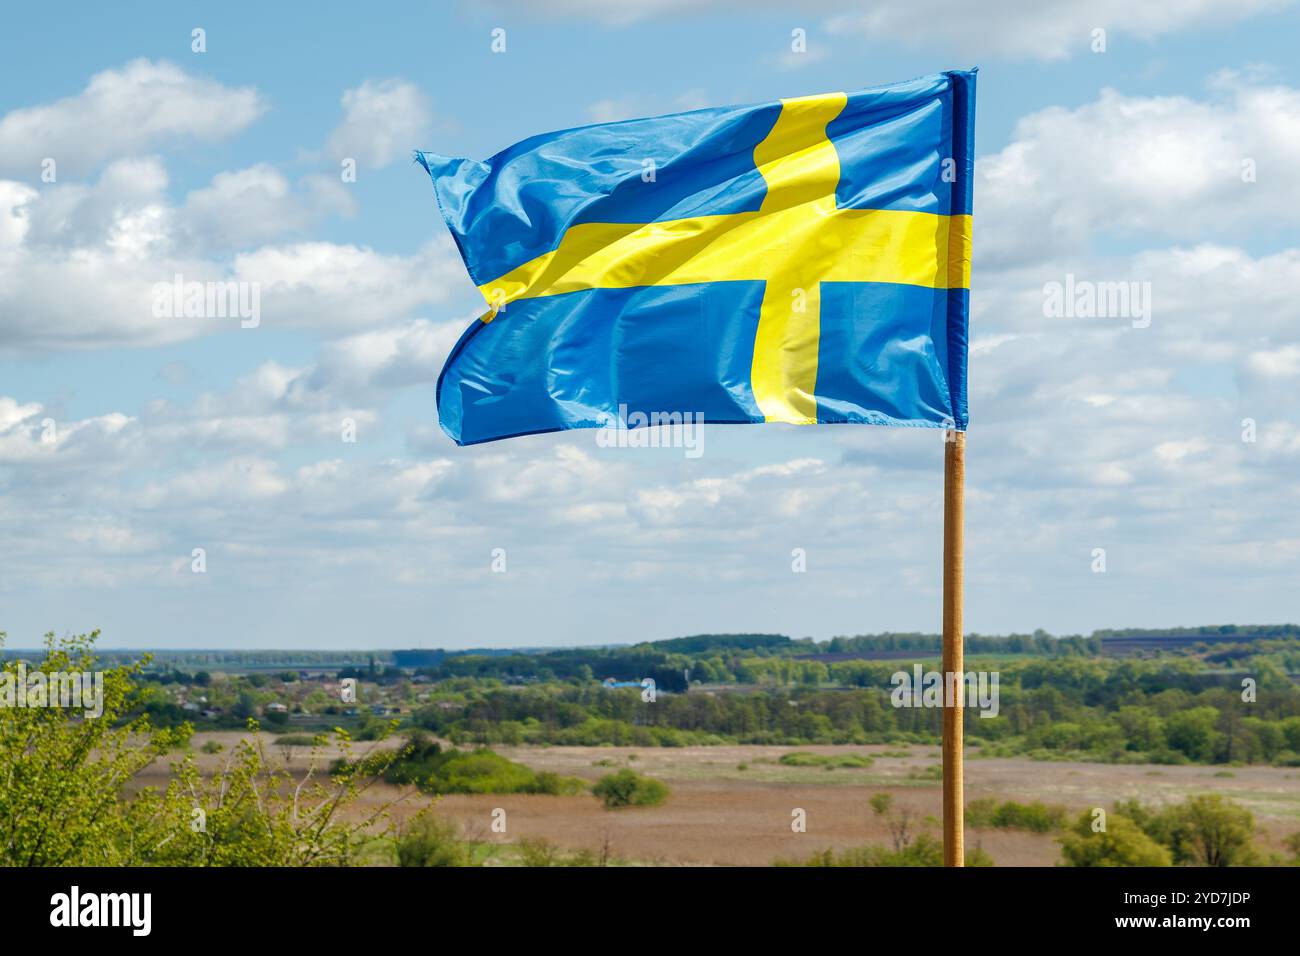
[(804, 261)]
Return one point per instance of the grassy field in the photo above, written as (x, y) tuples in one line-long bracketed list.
[(732, 805)]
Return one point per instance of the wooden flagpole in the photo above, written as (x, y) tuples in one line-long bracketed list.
[(954, 494)]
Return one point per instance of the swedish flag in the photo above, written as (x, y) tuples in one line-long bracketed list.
[(804, 261)]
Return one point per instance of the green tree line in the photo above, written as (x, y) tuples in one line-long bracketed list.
[(1129, 710)]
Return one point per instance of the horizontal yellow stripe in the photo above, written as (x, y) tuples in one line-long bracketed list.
[(841, 245)]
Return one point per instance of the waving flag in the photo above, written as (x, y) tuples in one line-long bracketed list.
[(803, 261)]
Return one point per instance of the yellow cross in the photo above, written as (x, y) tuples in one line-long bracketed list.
[(796, 240)]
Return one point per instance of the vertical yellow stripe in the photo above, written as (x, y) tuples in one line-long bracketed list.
[(801, 168)]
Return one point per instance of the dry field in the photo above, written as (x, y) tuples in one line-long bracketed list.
[(719, 814)]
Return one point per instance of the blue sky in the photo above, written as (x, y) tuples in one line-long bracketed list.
[(174, 434)]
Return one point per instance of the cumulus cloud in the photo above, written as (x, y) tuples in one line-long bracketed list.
[(383, 120), (1125, 165), (126, 209), (137, 108), (391, 357), (257, 204), (337, 288), (79, 262)]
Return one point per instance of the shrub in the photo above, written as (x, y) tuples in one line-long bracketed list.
[(627, 788), (1122, 843), (424, 763), (802, 758), (1036, 817), (925, 850), (551, 783), (373, 728), (1204, 830), (1208, 830), (539, 852), (432, 841), (1292, 844)]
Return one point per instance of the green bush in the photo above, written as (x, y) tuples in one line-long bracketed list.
[(1122, 843), (432, 841), (1204, 830), (425, 764), (627, 788), (373, 728), (803, 758), (1208, 830), (1036, 817), (551, 783), (539, 852), (925, 850)]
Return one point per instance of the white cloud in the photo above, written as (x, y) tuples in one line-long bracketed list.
[(720, 499), (257, 204), (335, 288), (1044, 30), (1141, 165), (389, 357), (12, 413), (126, 210), (78, 262), (1279, 363), (134, 109), (29, 435), (383, 120), (231, 482)]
